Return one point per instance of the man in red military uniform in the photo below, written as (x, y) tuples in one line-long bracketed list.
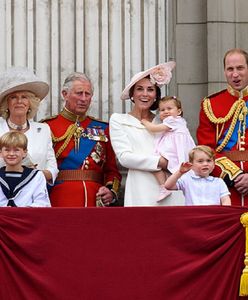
[(88, 174), (223, 126)]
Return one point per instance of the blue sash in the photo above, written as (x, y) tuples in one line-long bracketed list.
[(75, 158), (234, 137)]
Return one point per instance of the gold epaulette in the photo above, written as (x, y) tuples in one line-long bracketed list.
[(98, 120), (215, 94), (48, 118), (228, 167)]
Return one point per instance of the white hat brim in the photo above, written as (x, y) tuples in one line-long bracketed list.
[(141, 75), (39, 88)]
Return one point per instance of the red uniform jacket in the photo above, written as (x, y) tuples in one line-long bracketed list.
[(88, 148), (224, 105)]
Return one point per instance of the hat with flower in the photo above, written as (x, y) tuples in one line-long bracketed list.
[(21, 79), (159, 75)]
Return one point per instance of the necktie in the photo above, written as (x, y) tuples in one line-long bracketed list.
[(11, 203)]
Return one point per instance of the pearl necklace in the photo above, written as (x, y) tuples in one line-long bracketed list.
[(17, 127)]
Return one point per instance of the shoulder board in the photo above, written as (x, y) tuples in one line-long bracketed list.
[(215, 94), (98, 120), (48, 118)]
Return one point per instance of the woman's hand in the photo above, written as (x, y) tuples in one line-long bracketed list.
[(48, 175), (145, 122), (163, 163)]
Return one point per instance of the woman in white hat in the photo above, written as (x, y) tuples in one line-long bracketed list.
[(132, 142), (20, 94)]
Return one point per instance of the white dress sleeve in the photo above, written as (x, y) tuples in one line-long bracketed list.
[(51, 162), (132, 143), (40, 148)]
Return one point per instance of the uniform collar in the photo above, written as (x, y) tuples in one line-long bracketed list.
[(71, 116), (239, 94)]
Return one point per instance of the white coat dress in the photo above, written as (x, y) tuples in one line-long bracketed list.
[(134, 148), (40, 147)]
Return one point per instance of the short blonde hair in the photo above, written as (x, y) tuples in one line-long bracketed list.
[(14, 139), (202, 148), (34, 103)]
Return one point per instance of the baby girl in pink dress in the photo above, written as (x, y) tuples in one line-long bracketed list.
[(175, 142)]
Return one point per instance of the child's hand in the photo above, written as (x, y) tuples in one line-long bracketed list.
[(143, 121), (185, 167)]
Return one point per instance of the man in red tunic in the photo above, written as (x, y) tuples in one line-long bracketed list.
[(223, 126), (88, 173)]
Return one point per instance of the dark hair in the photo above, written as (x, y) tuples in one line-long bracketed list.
[(158, 95), (235, 50), (176, 101)]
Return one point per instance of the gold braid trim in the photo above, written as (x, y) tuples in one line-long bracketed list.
[(66, 136), (209, 112), (234, 111), (231, 128)]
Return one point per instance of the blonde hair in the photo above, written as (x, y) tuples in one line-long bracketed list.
[(176, 101), (207, 150), (14, 139), (34, 103)]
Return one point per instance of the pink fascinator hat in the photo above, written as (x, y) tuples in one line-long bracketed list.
[(159, 75)]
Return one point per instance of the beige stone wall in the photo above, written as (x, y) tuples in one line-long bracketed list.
[(201, 31)]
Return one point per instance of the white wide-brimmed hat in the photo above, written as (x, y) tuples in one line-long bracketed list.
[(22, 79), (159, 75)]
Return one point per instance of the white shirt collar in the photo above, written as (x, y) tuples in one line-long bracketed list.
[(193, 175)]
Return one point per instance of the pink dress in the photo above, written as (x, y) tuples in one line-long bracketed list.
[(175, 144)]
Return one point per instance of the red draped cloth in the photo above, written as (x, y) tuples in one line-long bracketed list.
[(157, 253)]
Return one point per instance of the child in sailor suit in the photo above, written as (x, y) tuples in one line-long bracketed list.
[(20, 185)]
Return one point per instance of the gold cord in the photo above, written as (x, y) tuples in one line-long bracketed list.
[(66, 136), (236, 110), (209, 112)]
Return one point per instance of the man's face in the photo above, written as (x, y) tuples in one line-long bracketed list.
[(236, 71), (78, 98)]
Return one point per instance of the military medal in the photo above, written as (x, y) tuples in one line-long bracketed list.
[(242, 128), (77, 135), (95, 134)]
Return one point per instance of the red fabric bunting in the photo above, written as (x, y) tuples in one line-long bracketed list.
[(152, 253)]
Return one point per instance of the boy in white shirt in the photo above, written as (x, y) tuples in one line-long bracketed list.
[(20, 185), (199, 188)]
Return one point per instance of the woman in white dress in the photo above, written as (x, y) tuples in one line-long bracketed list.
[(132, 142), (20, 94)]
